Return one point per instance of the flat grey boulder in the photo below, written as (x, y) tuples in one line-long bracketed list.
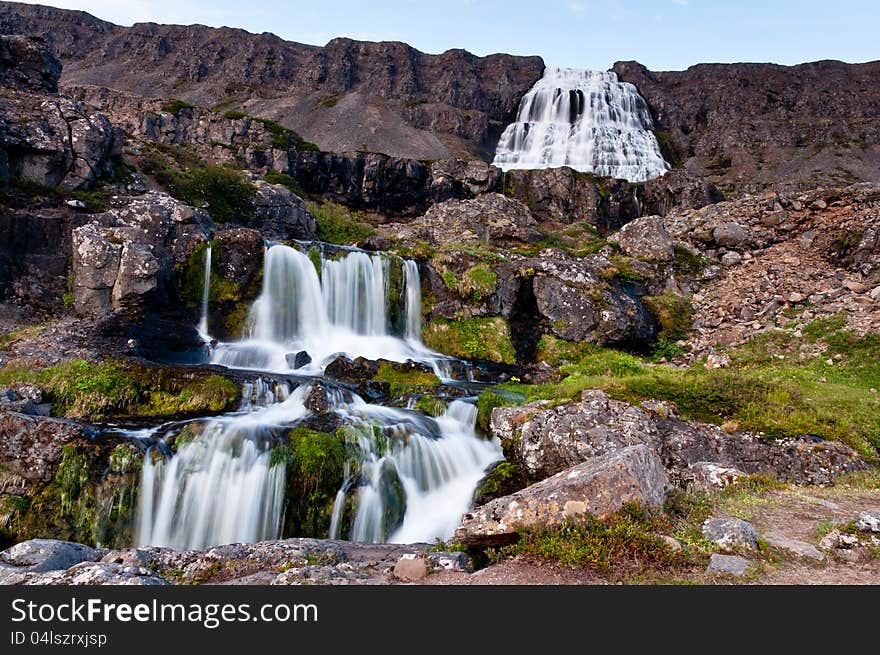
[(41, 555), (799, 548), (599, 486), (731, 533), (99, 573), (729, 564)]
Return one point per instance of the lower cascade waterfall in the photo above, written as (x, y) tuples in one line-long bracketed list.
[(587, 120), (406, 477)]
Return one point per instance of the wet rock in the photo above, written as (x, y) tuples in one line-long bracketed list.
[(298, 360), (317, 400), (646, 238), (356, 370), (599, 486), (729, 564), (411, 567), (731, 533), (41, 555), (869, 521)]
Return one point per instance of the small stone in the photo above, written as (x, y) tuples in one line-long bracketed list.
[(795, 297), (715, 361), (731, 259), (673, 543), (875, 293), (730, 564), (818, 205), (76, 204), (855, 287), (872, 390), (829, 362), (731, 532), (709, 476), (800, 548), (869, 521), (730, 235), (411, 567)]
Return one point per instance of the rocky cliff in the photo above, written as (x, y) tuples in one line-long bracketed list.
[(348, 95), (749, 126)]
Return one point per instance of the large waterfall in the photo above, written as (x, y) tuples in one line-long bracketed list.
[(587, 120), (407, 477)]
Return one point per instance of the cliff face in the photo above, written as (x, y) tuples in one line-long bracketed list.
[(749, 126), (349, 95)]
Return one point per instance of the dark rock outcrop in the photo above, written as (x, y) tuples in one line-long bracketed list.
[(25, 63), (748, 126), (347, 96)]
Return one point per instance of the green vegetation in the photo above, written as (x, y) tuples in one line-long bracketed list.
[(8, 339), (313, 472), (488, 401), (431, 405), (274, 177), (667, 149), (336, 224), (93, 391), (578, 240), (234, 115), (328, 101), (628, 537), (675, 315), (476, 338), (404, 381), (284, 138), (227, 193), (769, 389), (502, 480), (174, 106)]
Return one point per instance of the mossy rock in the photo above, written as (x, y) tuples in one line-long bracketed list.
[(504, 479), (476, 338), (406, 378), (674, 313), (314, 472)]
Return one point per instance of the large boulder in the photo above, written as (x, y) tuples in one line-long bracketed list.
[(545, 440), (281, 214), (598, 486), (646, 238), (490, 219), (125, 255), (548, 440), (41, 555), (30, 448)]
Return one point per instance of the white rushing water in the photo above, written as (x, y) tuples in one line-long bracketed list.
[(407, 477), (202, 327), (587, 120), (344, 309)]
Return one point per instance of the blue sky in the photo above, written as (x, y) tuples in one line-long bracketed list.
[(662, 34)]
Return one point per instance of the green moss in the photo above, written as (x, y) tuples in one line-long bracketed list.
[(284, 138), (674, 313), (234, 115), (667, 149), (99, 390), (504, 479), (314, 473), (479, 282), (431, 405), (476, 338), (338, 225), (328, 101), (449, 279), (274, 177), (404, 381), (688, 262), (175, 106)]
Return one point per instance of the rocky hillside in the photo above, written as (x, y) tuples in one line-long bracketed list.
[(346, 96), (749, 126)]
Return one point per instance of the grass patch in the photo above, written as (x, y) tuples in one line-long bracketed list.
[(175, 106), (629, 537), (226, 193), (336, 224), (476, 338), (234, 115), (274, 177), (488, 401), (762, 393), (403, 381)]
